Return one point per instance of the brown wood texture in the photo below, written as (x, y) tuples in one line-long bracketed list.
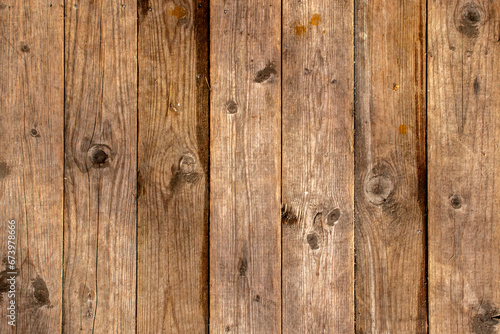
[(173, 167), (318, 167), (100, 167), (390, 167), (464, 166), (31, 163), (245, 152)]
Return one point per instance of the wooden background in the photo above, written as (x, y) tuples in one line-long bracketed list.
[(245, 166)]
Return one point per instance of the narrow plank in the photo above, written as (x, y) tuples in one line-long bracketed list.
[(31, 163), (173, 167), (390, 167), (245, 166), (464, 166), (100, 167), (318, 167)]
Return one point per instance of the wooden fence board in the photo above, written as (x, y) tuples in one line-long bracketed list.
[(464, 166), (390, 167), (31, 163), (100, 166), (318, 167), (173, 167), (245, 142)]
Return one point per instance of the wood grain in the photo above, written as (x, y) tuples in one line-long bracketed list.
[(318, 167), (390, 167), (31, 162), (245, 134), (100, 171), (173, 167), (464, 166)]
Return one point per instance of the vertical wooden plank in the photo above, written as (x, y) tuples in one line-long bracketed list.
[(464, 166), (100, 166), (173, 167), (390, 167), (318, 167), (245, 142), (31, 164)]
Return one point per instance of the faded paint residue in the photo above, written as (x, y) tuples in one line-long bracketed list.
[(403, 129), (299, 29), (178, 12), (315, 20)]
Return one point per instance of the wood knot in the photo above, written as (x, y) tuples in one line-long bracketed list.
[(288, 217), (333, 217), (313, 241), (99, 155), (232, 107), (243, 267), (25, 48), (379, 189), (267, 73), (469, 20), (485, 320), (456, 202), (34, 133), (40, 292), (187, 164)]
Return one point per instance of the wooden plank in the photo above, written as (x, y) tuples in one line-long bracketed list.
[(173, 167), (31, 163), (318, 167), (100, 167), (390, 167), (464, 166), (245, 142)]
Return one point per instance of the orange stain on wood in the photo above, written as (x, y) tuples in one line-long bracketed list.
[(299, 29), (179, 12), (315, 20), (403, 129)]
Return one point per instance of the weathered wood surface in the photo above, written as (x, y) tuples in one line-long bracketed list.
[(173, 167), (318, 167), (108, 112), (245, 151), (390, 165), (31, 162), (464, 166), (100, 167)]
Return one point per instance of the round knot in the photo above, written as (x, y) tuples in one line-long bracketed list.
[(187, 164), (456, 202), (232, 107), (469, 20), (333, 217), (379, 189), (99, 155)]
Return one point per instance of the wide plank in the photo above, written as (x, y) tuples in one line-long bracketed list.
[(318, 167), (173, 144), (390, 167), (100, 167), (245, 166), (464, 166), (31, 165)]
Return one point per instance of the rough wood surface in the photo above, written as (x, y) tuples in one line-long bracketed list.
[(318, 167), (390, 167), (464, 166), (100, 167), (245, 134), (31, 162), (173, 167)]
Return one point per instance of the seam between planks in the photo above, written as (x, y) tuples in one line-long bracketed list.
[(426, 203), (355, 304), (63, 266), (137, 168)]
